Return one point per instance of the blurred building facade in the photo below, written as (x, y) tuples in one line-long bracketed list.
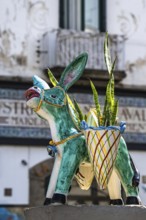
[(35, 35)]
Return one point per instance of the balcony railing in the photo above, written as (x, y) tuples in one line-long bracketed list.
[(70, 43)]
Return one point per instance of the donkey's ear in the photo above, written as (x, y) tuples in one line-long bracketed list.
[(73, 71), (37, 81)]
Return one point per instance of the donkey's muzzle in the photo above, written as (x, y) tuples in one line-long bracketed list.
[(31, 93)]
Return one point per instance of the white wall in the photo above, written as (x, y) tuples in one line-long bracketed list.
[(128, 18), (14, 174), (37, 155), (23, 27)]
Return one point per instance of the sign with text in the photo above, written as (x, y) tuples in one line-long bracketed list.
[(15, 113), (135, 118)]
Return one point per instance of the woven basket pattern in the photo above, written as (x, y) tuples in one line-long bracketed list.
[(102, 148)]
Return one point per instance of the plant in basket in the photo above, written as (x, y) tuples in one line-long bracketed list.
[(103, 140)]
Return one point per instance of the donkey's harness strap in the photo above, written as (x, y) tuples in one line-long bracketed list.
[(40, 102), (42, 99), (53, 143)]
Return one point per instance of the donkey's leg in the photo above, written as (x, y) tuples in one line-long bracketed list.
[(53, 179), (114, 189), (125, 172), (73, 155)]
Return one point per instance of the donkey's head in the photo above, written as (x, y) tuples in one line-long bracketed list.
[(41, 98)]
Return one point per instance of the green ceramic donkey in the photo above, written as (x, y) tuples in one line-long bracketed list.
[(52, 104)]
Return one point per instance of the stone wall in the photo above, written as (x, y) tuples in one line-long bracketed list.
[(86, 213)]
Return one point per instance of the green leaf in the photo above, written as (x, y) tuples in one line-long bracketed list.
[(85, 117), (52, 78), (73, 112), (107, 55), (112, 67), (108, 115), (110, 109), (108, 93), (114, 112), (96, 101), (78, 109), (112, 82), (104, 113)]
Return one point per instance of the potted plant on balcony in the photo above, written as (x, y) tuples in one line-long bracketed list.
[(103, 140)]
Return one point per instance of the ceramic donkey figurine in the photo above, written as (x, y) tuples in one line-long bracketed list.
[(52, 104)]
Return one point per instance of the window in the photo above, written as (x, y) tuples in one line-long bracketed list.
[(91, 21), (88, 15)]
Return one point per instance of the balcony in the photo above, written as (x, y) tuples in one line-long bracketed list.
[(56, 49), (69, 43)]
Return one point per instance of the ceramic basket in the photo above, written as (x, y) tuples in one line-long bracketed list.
[(102, 144)]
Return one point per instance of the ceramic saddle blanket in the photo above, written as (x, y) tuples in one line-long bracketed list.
[(102, 148)]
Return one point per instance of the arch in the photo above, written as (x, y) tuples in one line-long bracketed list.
[(37, 177)]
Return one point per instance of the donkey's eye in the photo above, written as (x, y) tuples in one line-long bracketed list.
[(53, 96)]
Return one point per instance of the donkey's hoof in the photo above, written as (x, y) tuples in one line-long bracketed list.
[(133, 200), (58, 199), (116, 202), (47, 201)]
